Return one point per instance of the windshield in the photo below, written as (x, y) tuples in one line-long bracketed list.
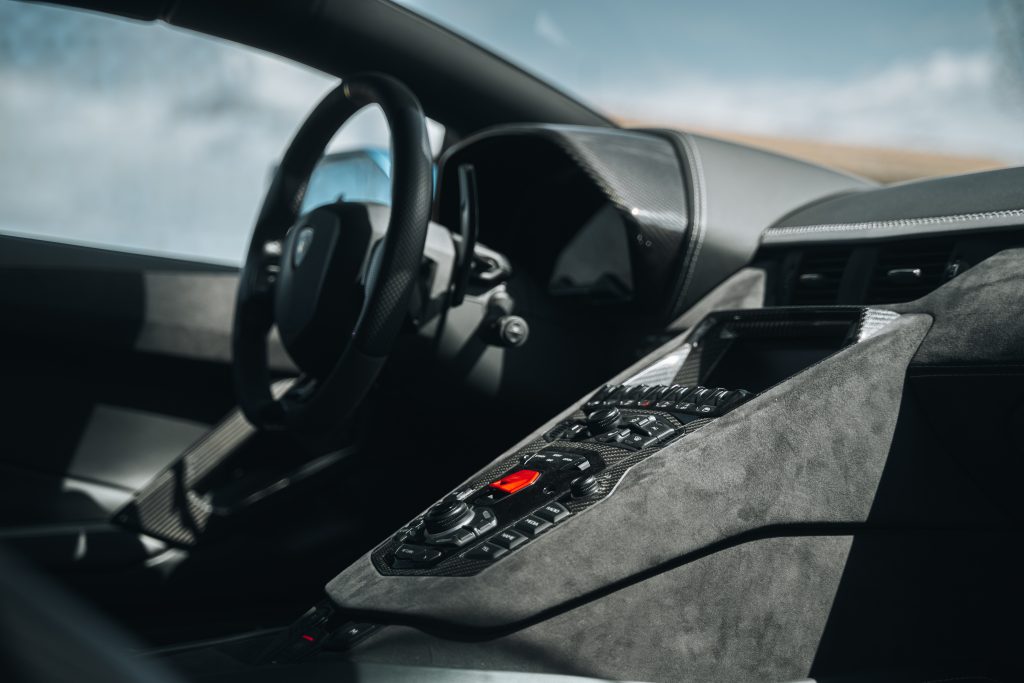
[(890, 90)]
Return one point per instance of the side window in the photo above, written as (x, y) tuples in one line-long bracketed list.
[(145, 138)]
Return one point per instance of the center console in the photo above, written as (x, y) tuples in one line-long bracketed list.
[(729, 358)]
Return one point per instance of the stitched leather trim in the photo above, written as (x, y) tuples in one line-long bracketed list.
[(963, 218), (699, 227)]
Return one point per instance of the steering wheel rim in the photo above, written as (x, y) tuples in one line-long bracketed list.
[(318, 401)]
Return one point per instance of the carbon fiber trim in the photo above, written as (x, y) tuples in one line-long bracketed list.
[(168, 507), (618, 461), (704, 348), (639, 174)]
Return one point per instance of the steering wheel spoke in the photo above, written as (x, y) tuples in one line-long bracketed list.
[(308, 274)]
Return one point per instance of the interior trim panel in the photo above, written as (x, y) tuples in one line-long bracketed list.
[(797, 492), (972, 202)]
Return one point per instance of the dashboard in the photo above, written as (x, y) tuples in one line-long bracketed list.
[(736, 475), (645, 223)]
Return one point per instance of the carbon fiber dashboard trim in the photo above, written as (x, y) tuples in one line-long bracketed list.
[(701, 349), (169, 507), (639, 174)]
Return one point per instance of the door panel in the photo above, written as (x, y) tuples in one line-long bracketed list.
[(112, 362)]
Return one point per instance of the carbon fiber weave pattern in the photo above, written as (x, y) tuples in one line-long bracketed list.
[(637, 172), (168, 507)]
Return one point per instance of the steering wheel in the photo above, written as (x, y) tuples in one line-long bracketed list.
[(337, 296)]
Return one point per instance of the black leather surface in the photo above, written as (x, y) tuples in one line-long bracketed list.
[(735, 193), (955, 203)]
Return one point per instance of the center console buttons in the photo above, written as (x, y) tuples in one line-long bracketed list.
[(455, 537), (598, 398), (486, 551), (570, 430), (582, 487), (509, 539), (490, 497), (553, 512), (603, 420), (553, 460), (516, 481), (417, 554), (649, 396), (543, 461), (474, 522), (533, 526), (700, 395), (633, 395), (638, 422), (483, 521), (636, 441), (450, 513), (613, 397)]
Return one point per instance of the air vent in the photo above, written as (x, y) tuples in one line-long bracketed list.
[(909, 270), (818, 276)]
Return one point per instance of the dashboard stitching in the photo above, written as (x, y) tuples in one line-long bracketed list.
[(693, 160), (894, 223)]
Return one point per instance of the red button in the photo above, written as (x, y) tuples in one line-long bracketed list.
[(517, 481)]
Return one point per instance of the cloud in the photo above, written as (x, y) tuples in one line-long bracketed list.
[(173, 163), (945, 103), (545, 27)]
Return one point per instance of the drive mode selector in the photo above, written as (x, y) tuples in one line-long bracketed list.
[(449, 514), (603, 420)]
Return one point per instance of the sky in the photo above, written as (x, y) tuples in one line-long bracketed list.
[(931, 75), (157, 140)]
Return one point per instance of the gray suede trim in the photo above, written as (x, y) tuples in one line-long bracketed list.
[(769, 462), (979, 316), (754, 612)]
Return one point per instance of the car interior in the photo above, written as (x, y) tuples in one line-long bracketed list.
[(580, 402)]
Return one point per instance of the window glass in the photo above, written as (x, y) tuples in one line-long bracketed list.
[(151, 139)]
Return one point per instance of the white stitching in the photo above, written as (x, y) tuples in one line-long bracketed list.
[(699, 207), (895, 223)]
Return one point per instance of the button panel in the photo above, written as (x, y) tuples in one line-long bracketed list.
[(503, 514), (677, 400), (516, 481), (542, 486), (533, 526)]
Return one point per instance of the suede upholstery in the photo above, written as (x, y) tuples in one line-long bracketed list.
[(769, 462), (754, 612), (979, 316), (812, 449)]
